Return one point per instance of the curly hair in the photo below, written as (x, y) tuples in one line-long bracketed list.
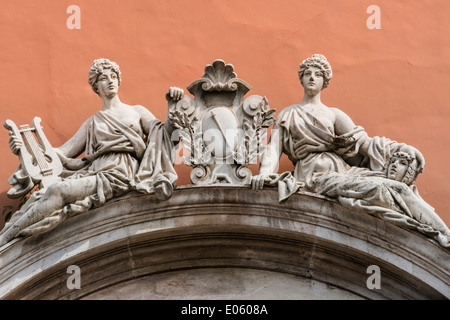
[(97, 68), (318, 61), (412, 172)]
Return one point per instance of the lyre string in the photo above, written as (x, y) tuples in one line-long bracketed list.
[(37, 153)]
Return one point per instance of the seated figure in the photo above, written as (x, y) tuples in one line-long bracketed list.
[(125, 148), (336, 158)]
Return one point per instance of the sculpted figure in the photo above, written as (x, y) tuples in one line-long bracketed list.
[(125, 148), (336, 158)]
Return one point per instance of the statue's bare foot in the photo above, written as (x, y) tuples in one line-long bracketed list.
[(79, 206)]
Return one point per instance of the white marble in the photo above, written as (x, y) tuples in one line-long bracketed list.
[(222, 131), (124, 148), (335, 157)]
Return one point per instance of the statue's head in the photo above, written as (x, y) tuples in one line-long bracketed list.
[(98, 67), (319, 62), (402, 167)]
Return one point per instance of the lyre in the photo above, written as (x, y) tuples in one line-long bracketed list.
[(38, 159)]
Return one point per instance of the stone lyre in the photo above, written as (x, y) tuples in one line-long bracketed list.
[(38, 160)]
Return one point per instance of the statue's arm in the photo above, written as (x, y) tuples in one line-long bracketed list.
[(345, 125), (271, 156), (145, 118), (269, 159), (75, 145), (416, 154), (173, 95)]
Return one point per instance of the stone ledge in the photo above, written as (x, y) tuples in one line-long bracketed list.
[(307, 238)]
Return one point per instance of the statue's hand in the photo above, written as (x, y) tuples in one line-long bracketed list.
[(15, 143), (343, 141), (303, 148), (415, 154), (258, 181), (175, 93)]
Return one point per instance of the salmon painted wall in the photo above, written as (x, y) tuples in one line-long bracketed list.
[(392, 81)]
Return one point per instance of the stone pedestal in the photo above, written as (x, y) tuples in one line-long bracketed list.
[(224, 242)]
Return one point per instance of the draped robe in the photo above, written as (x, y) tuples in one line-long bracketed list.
[(122, 161), (119, 158), (355, 178)]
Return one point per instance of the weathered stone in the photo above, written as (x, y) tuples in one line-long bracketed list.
[(222, 131), (124, 148), (228, 242)]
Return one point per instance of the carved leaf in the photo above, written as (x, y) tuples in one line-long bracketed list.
[(268, 118), (185, 138), (255, 133), (197, 155), (207, 154)]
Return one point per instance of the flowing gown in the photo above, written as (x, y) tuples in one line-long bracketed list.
[(355, 178), (120, 159)]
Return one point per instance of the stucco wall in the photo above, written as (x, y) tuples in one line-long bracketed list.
[(392, 81)]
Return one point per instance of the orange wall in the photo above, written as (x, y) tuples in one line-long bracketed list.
[(391, 81)]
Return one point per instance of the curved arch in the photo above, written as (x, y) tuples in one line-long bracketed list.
[(202, 230)]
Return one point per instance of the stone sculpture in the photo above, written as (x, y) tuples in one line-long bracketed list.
[(125, 148), (335, 158), (40, 163), (222, 131)]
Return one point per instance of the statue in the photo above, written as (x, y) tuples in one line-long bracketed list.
[(335, 158), (125, 148)]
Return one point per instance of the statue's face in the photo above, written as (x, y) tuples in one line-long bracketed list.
[(397, 169), (312, 80), (108, 83)]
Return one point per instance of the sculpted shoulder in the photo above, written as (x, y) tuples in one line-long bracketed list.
[(144, 113), (341, 116), (336, 111), (284, 113), (287, 110)]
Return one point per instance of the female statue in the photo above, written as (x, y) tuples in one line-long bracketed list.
[(336, 158), (125, 148)]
